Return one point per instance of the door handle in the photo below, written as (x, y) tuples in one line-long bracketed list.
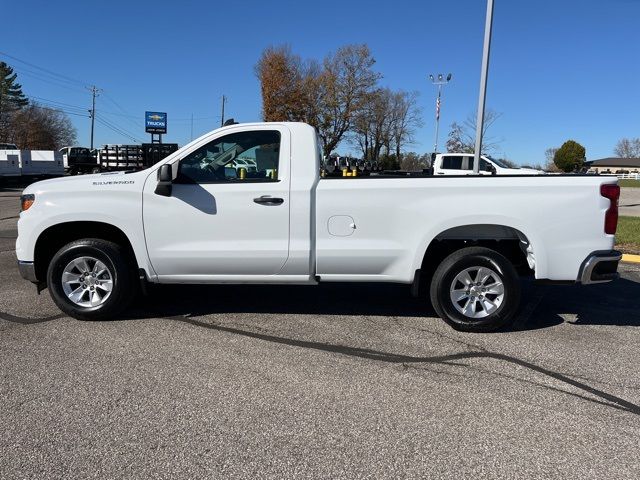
[(268, 200)]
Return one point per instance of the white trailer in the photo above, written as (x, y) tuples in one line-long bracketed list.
[(41, 163), (9, 162)]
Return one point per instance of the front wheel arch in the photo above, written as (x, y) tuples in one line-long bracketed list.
[(56, 236)]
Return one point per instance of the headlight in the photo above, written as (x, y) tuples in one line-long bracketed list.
[(26, 201)]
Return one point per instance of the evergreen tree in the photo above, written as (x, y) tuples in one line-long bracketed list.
[(11, 96), (12, 99), (570, 156)]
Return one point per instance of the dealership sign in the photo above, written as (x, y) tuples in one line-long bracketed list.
[(155, 122)]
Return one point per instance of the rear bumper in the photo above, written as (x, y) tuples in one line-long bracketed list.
[(600, 267), (28, 271)]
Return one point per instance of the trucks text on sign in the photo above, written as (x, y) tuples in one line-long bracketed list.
[(155, 122)]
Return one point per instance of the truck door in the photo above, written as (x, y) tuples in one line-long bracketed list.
[(223, 219)]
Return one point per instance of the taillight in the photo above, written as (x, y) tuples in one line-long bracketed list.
[(612, 192)]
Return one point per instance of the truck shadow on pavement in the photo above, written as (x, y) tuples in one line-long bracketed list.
[(615, 304), (543, 306), (170, 303)]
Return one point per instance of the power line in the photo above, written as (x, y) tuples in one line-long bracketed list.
[(122, 130), (55, 102), (125, 114), (59, 75), (117, 129), (48, 81), (53, 108), (59, 106)]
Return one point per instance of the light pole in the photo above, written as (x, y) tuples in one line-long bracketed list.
[(440, 80), (484, 73)]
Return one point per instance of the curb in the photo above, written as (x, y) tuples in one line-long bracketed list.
[(631, 258)]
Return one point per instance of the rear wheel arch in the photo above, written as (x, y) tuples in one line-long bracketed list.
[(510, 242), (56, 236)]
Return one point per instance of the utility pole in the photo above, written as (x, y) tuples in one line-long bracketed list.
[(439, 81), (224, 99), (92, 113), (484, 73)]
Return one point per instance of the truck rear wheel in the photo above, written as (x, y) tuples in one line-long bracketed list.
[(90, 279), (476, 289)]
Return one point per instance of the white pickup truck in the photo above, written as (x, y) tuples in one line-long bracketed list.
[(462, 164), (460, 241)]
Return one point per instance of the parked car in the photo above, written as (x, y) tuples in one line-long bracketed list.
[(460, 242)]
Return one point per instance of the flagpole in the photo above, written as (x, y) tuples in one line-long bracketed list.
[(435, 146)]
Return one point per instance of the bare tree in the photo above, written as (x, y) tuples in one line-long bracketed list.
[(405, 118), (550, 165), (411, 161), (347, 79), (327, 96), (462, 138), (41, 128), (550, 153), (372, 123), (458, 141), (628, 148)]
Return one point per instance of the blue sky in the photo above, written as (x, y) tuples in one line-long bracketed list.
[(559, 69)]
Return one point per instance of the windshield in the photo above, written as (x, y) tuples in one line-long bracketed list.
[(500, 163)]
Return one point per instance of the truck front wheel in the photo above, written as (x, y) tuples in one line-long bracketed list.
[(476, 289), (90, 279)]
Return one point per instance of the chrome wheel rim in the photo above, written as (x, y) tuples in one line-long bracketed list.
[(87, 282), (477, 292)]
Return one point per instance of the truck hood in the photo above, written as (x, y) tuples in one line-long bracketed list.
[(89, 182)]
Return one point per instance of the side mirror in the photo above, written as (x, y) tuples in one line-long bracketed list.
[(491, 169), (165, 176)]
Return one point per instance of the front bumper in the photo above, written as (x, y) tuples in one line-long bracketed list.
[(28, 271), (600, 267)]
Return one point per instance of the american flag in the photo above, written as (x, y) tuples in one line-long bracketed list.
[(438, 107)]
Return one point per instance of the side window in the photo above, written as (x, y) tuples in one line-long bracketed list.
[(470, 161), (237, 157), (452, 163)]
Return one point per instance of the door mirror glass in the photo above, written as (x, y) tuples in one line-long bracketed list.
[(165, 176)]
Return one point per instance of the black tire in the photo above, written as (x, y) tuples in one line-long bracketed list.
[(121, 273), (95, 170), (475, 258)]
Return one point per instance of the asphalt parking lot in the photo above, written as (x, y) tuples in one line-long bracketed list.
[(335, 381), (630, 202)]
